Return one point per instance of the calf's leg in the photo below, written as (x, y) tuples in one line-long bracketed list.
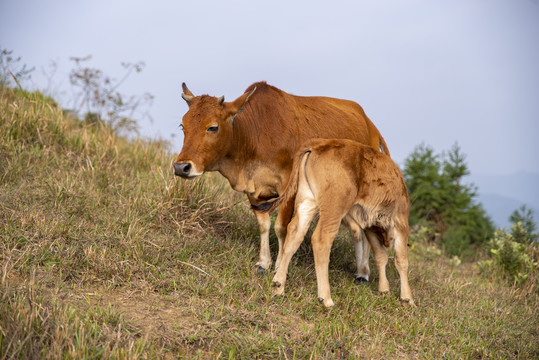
[(401, 263), (322, 240), (305, 211)]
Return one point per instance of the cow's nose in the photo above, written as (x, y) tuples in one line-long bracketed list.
[(182, 169)]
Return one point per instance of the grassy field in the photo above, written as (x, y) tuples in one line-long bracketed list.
[(104, 254)]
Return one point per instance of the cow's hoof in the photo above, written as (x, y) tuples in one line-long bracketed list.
[(384, 293), (260, 270), (361, 281), (276, 284)]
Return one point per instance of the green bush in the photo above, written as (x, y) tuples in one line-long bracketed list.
[(512, 260)]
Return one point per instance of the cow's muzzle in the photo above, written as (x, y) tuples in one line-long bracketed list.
[(183, 169)]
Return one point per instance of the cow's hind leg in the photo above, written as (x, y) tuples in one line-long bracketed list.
[(381, 258), (264, 225), (281, 223), (362, 248), (401, 263), (362, 258), (295, 234)]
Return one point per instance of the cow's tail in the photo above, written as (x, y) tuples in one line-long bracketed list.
[(383, 145), (291, 188), (376, 140)]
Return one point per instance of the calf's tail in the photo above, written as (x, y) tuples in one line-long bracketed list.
[(291, 188)]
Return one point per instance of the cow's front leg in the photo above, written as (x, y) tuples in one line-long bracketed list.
[(281, 223), (264, 225)]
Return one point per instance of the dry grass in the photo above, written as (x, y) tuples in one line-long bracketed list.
[(104, 254)]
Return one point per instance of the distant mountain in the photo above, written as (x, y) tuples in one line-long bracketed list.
[(502, 194), (499, 208)]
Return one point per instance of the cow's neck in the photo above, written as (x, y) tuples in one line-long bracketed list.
[(238, 172), (249, 165), (258, 179), (238, 165)]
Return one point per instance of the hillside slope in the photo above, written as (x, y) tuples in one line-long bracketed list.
[(103, 253)]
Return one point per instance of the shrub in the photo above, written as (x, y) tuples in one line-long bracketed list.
[(513, 260), (98, 100)]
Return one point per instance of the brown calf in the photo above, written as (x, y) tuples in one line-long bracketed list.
[(351, 183)]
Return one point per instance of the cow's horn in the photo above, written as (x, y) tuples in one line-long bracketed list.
[(186, 91), (187, 94), (221, 100)]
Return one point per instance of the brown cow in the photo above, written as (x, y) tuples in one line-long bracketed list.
[(345, 181), (251, 142)]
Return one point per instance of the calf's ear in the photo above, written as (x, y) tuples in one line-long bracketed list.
[(187, 95), (236, 107)]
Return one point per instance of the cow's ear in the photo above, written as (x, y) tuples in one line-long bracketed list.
[(187, 95), (236, 107)]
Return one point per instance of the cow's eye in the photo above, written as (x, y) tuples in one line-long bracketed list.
[(213, 128)]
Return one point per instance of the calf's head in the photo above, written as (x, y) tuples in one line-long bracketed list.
[(207, 129)]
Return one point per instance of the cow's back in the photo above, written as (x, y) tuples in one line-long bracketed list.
[(272, 127), (277, 123)]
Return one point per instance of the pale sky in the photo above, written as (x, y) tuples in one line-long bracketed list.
[(437, 72)]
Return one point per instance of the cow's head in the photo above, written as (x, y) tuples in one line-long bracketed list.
[(207, 129)]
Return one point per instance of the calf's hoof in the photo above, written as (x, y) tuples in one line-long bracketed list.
[(327, 303), (360, 280), (277, 287), (407, 302)]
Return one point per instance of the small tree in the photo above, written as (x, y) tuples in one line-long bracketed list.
[(422, 176), (439, 196)]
